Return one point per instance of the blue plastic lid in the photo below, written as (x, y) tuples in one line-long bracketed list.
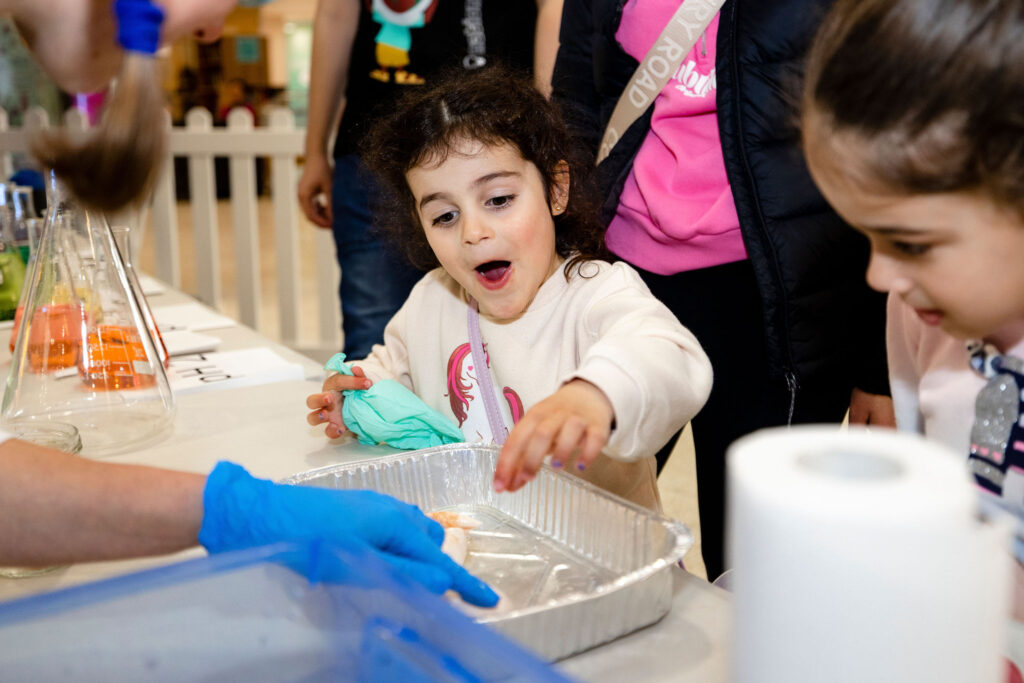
[(254, 615)]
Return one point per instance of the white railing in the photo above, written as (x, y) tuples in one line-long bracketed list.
[(242, 143)]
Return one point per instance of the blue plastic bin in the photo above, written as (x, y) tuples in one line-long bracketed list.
[(262, 614)]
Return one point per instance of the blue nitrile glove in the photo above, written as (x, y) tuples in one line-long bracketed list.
[(240, 511), (389, 413)]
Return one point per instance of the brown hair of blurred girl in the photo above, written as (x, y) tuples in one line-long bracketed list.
[(930, 91), (117, 162)]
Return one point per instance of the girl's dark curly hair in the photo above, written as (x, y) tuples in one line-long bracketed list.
[(493, 106), (931, 90)]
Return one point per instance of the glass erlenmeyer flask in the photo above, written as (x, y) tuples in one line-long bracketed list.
[(12, 268), (83, 353), (12, 279), (25, 218), (25, 229), (6, 212), (123, 238)]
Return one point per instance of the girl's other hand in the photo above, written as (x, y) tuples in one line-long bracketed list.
[(326, 406), (574, 421), (872, 410), (339, 382)]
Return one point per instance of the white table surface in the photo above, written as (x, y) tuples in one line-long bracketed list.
[(264, 429)]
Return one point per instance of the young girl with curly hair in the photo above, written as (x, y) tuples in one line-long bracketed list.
[(578, 360)]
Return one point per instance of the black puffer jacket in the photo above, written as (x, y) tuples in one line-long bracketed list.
[(822, 321)]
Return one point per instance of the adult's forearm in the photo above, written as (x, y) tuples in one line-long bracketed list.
[(545, 45), (572, 81), (334, 30), (57, 508)]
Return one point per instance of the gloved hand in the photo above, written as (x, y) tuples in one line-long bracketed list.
[(240, 511)]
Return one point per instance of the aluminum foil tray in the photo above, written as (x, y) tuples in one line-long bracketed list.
[(576, 566)]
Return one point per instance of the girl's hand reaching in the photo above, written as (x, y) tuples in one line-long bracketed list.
[(574, 421), (326, 406)]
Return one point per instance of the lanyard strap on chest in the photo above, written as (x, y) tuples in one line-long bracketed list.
[(483, 376)]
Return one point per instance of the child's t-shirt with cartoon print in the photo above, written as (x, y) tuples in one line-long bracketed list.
[(603, 326), (400, 44), (676, 211), (970, 397)]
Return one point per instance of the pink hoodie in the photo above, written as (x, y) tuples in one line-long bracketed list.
[(676, 211)]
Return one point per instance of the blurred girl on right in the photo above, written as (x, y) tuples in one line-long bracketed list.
[(913, 126)]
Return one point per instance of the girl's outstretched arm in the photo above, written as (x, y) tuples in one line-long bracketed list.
[(571, 424), (639, 370), (651, 368)]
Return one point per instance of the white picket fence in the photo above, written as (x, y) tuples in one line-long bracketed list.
[(242, 143)]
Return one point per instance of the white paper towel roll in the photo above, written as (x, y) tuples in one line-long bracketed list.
[(858, 558)]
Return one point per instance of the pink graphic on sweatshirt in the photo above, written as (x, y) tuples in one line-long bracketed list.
[(458, 388), (462, 384), (515, 404)]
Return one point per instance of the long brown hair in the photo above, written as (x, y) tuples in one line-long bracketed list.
[(118, 160), (493, 105), (932, 91)]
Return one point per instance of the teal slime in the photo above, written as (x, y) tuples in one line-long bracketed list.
[(389, 413)]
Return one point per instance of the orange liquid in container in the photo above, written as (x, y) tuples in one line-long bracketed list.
[(116, 359), (55, 339)]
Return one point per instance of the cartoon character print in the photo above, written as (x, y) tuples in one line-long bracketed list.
[(465, 400), (397, 19), (997, 438)]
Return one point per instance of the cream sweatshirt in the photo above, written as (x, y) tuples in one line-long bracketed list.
[(602, 325)]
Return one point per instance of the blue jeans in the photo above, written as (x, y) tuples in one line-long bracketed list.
[(375, 279)]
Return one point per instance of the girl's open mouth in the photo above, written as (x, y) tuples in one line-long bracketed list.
[(493, 274)]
